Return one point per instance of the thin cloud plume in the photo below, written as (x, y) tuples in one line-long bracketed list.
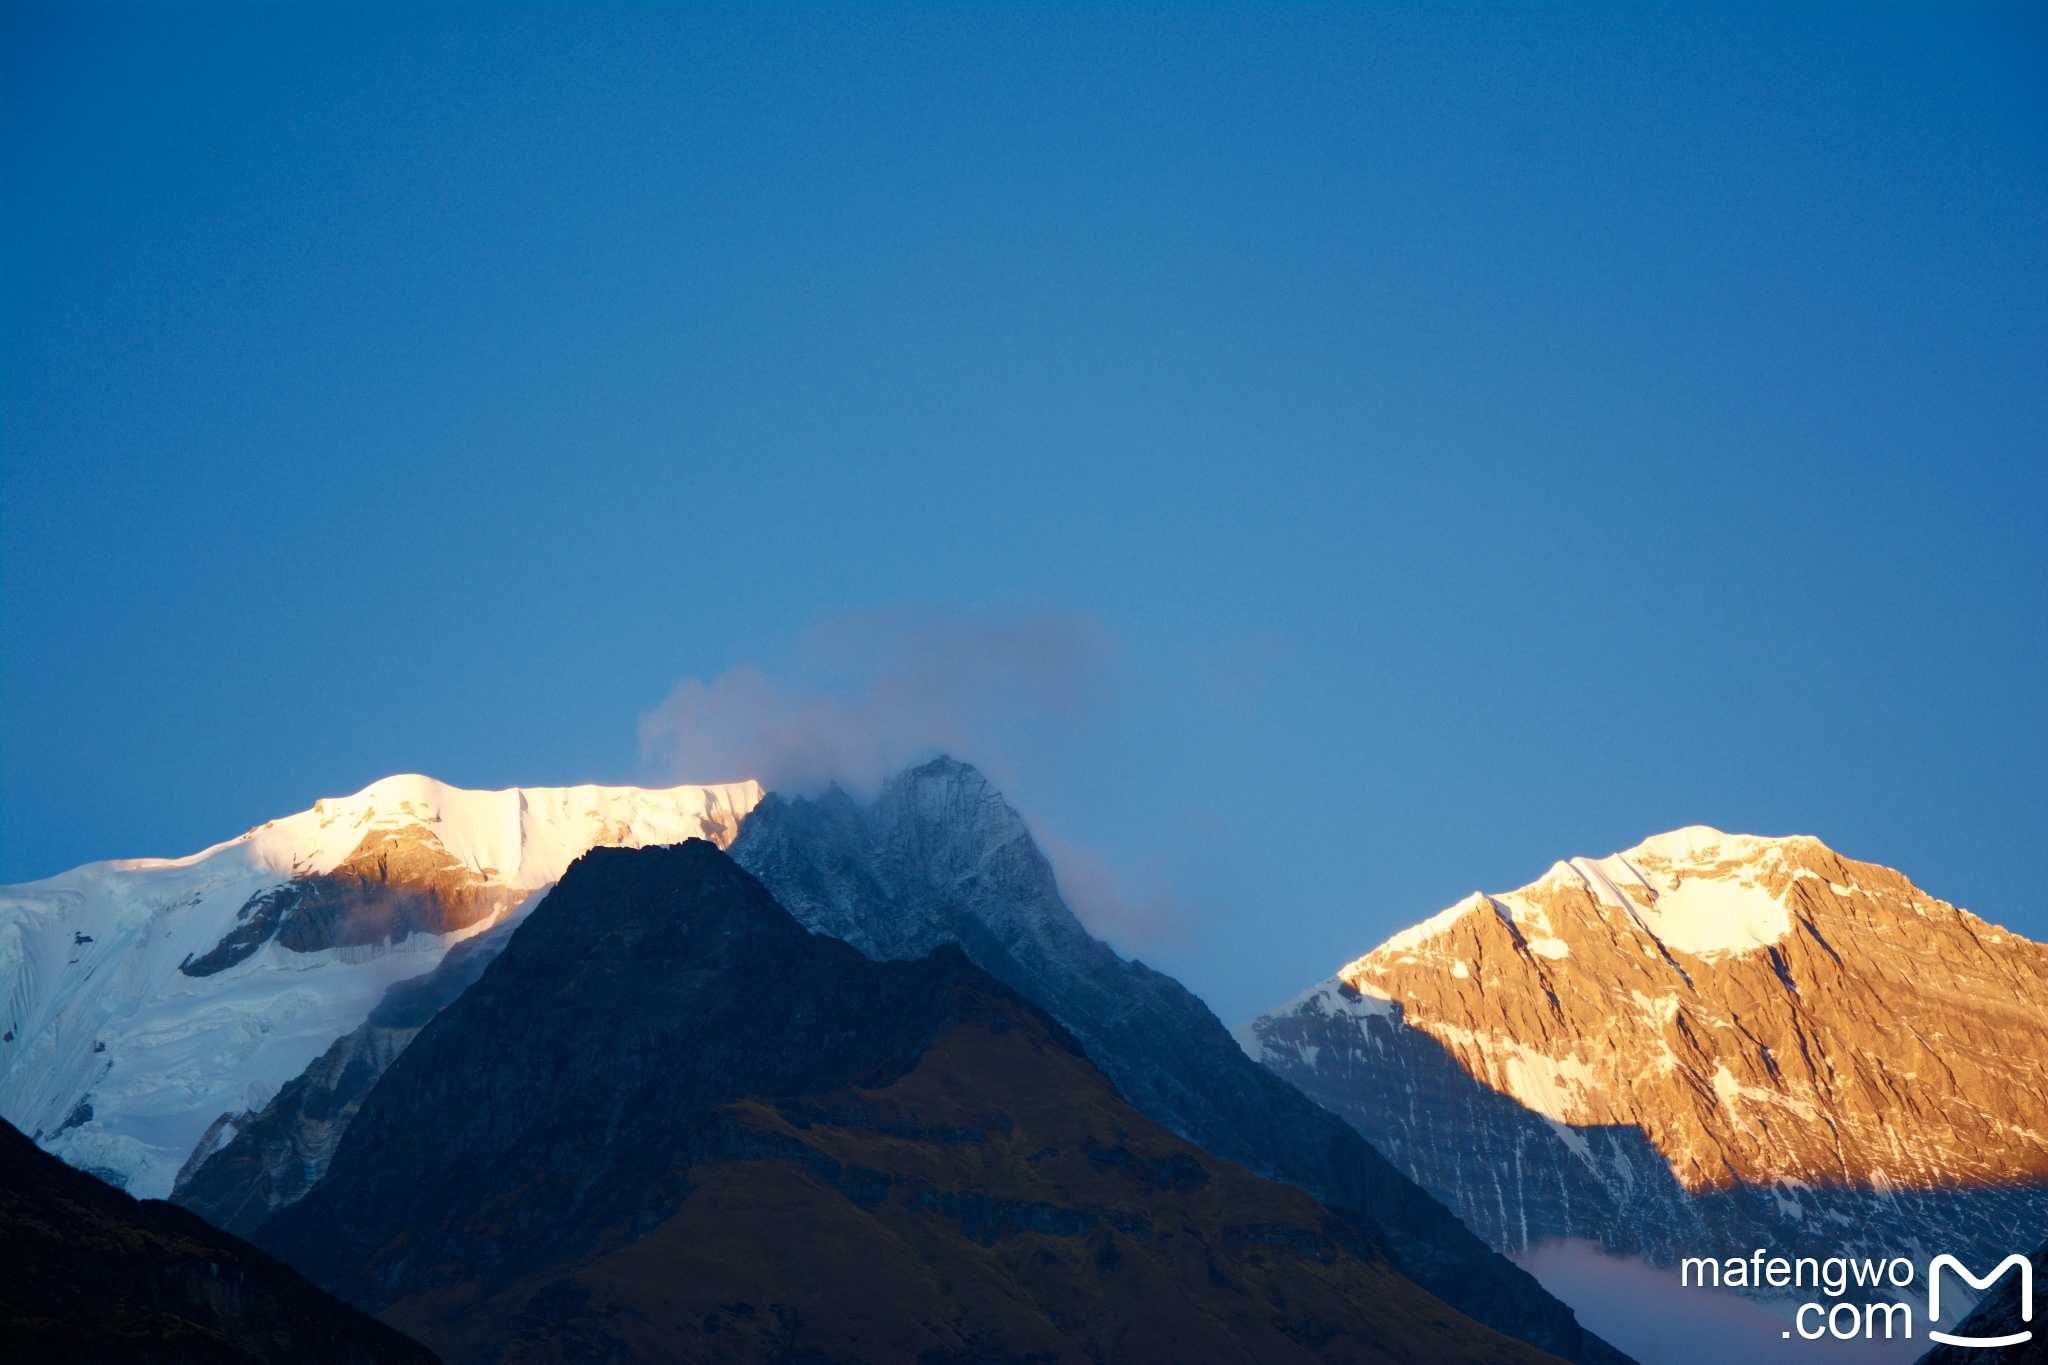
[(1134, 913), (872, 691), (1009, 689)]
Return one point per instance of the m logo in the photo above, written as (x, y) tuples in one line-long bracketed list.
[(2026, 1299)]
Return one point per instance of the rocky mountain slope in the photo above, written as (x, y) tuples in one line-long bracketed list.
[(248, 1165), (939, 857), (668, 1122), (143, 1000), (1706, 1041), (88, 1274)]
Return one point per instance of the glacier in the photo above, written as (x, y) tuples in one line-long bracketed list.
[(118, 1058)]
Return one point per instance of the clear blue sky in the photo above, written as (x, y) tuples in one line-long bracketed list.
[(1480, 436)]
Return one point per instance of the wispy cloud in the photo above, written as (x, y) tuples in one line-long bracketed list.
[(1010, 688), (871, 691), (1134, 911)]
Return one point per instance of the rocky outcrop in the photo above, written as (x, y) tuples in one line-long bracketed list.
[(669, 1123), (941, 858), (1707, 1041), (88, 1274), (251, 1163), (396, 883)]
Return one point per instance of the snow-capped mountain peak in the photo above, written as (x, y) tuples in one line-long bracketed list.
[(1708, 1030), (521, 837), (142, 998), (1695, 890)]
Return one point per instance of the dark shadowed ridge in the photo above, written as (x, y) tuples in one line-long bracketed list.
[(88, 1273), (635, 998), (940, 857), (667, 1122)]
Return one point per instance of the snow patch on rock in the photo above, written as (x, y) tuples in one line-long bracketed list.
[(1694, 890)]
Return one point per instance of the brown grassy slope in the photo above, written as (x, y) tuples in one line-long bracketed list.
[(998, 1202)]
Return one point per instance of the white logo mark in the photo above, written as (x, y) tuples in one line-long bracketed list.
[(2026, 1298)]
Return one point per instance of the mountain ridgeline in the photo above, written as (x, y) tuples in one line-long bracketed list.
[(940, 858), (868, 1089), (669, 1122), (1710, 1040), (237, 969)]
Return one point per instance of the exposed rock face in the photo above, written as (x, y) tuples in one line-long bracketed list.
[(396, 883), (940, 857), (1707, 1041), (251, 1164), (2000, 1315), (669, 1123), (89, 1274), (150, 1004)]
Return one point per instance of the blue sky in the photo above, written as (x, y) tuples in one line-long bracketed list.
[(1435, 441)]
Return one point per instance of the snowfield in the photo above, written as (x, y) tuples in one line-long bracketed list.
[(117, 1061)]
